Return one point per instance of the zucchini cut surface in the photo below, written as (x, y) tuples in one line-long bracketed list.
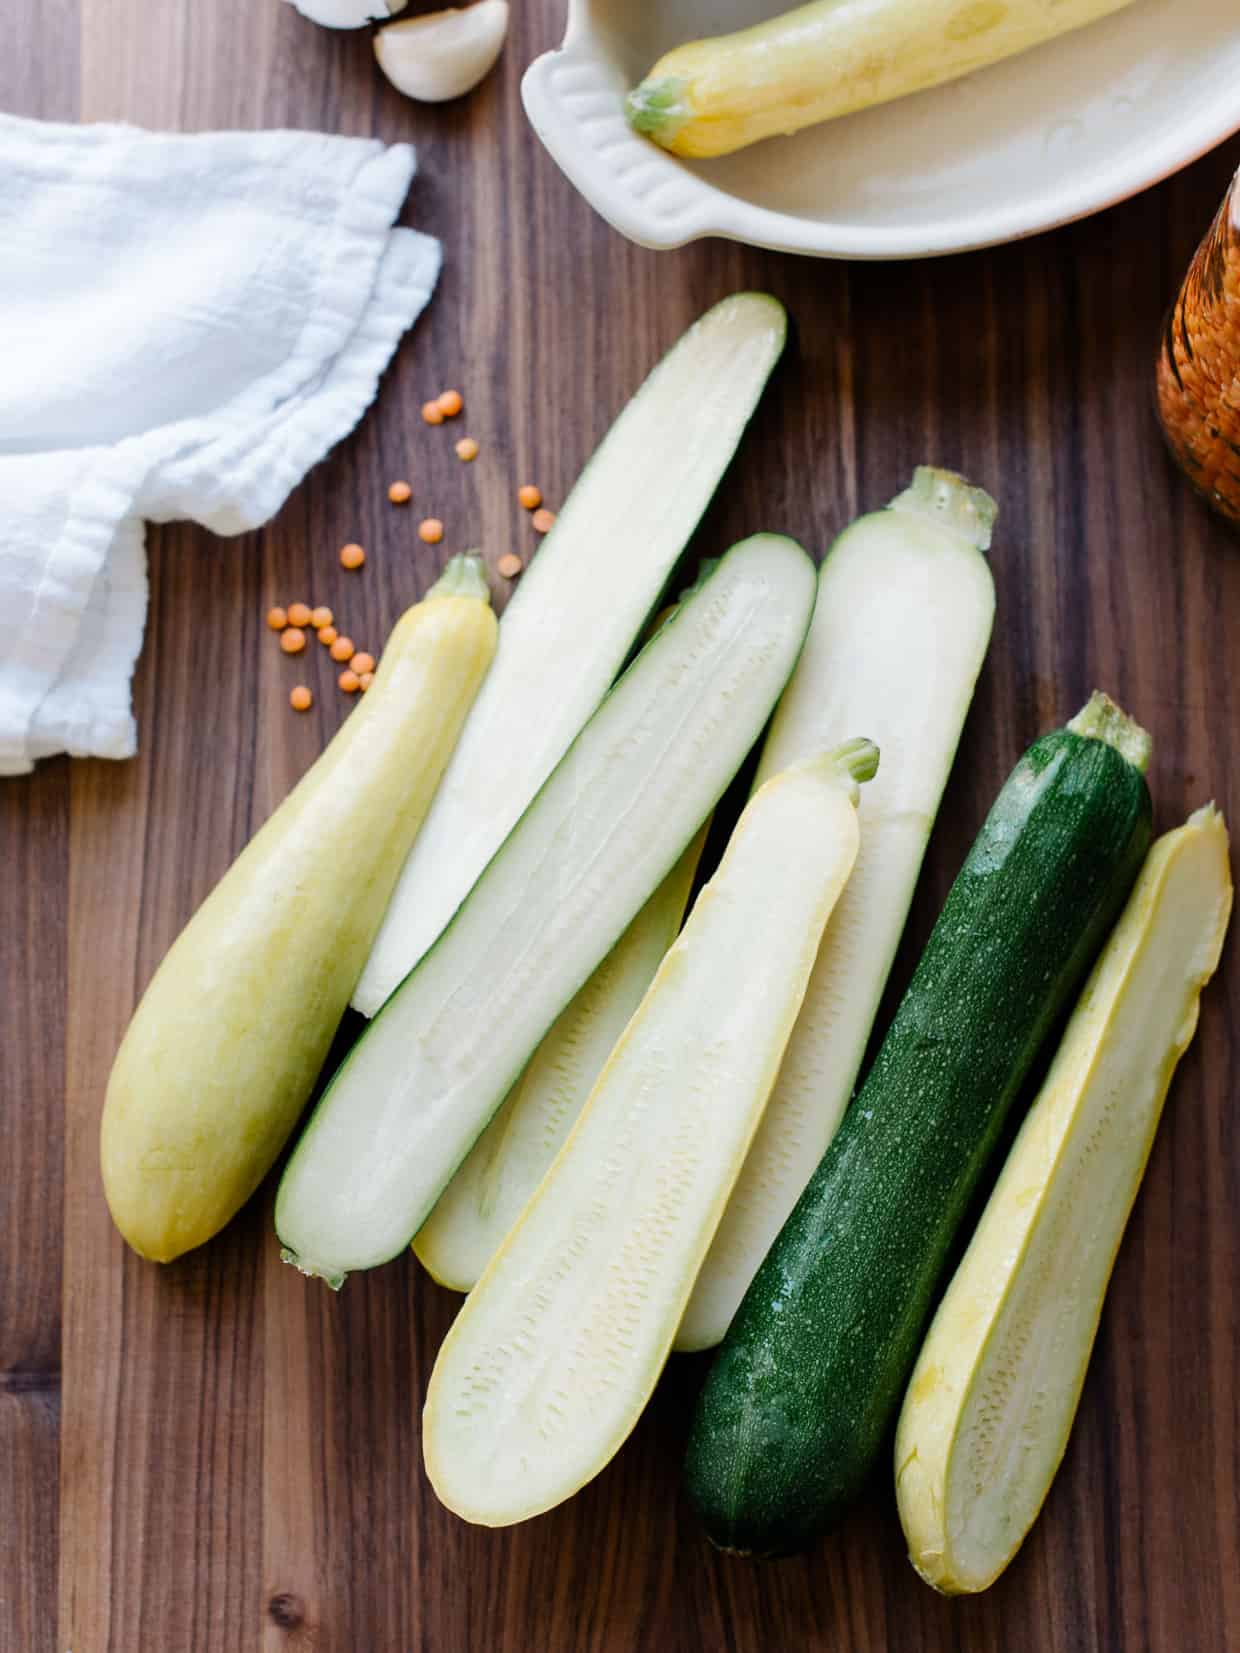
[(557, 1349), (511, 1157), (900, 629), (995, 1389), (578, 610), (418, 1088)]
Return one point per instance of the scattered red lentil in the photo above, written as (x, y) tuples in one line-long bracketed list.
[(349, 681), (352, 556), (362, 662), (327, 635), (299, 614), (321, 617), (543, 521), (431, 530), (342, 649), (432, 413), (449, 403), (366, 679), (510, 565), (277, 619), (301, 699), (292, 640), (467, 449), (400, 493), (529, 497)]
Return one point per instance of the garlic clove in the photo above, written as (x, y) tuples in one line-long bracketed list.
[(347, 14), (445, 53)]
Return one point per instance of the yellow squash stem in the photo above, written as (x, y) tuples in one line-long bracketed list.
[(995, 1389), (224, 1049), (830, 58)]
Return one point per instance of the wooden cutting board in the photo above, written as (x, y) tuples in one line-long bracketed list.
[(217, 1457)]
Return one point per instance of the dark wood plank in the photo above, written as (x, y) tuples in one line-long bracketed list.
[(38, 77), (34, 836), (240, 1455)]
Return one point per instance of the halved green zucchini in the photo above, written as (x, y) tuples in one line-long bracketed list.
[(579, 609), (511, 1157), (900, 628), (796, 1406), (995, 1389), (559, 1345), (608, 826)]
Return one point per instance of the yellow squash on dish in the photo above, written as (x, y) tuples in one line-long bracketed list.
[(831, 58)]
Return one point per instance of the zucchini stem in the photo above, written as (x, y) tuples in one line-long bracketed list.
[(464, 576), (946, 498), (1101, 719)]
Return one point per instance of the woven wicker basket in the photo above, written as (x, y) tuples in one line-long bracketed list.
[(1199, 364)]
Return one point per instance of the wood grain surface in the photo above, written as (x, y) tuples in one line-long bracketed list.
[(215, 1457)]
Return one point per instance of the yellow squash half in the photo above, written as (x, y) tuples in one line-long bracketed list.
[(992, 1399), (224, 1049)]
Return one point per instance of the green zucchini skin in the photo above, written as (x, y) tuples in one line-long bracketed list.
[(806, 1385)]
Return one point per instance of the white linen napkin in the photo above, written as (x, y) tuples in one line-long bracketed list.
[(187, 324)]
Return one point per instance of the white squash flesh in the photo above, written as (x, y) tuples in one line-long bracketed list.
[(557, 1349), (419, 1087), (900, 629), (995, 1390), (578, 611), (511, 1157)]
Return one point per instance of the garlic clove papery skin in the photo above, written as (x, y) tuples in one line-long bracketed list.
[(445, 53), (348, 14)]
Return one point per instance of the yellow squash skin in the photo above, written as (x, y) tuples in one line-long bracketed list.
[(830, 58), (993, 1396), (225, 1046)]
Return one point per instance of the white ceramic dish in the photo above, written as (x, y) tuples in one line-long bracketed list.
[(1036, 141)]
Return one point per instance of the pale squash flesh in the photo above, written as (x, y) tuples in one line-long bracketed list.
[(579, 610), (511, 1157), (558, 1347)]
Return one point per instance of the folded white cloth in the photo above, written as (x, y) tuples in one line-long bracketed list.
[(187, 324)]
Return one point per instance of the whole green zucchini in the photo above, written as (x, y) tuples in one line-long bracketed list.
[(807, 1382)]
